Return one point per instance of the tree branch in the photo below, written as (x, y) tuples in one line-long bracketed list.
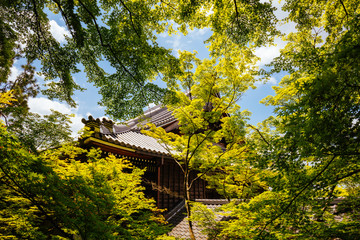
[(347, 15), (28, 196), (207, 170), (346, 175), (131, 18), (259, 134), (108, 45), (137, 81), (236, 9), (64, 16), (297, 195)]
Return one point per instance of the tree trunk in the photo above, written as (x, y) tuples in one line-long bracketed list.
[(188, 206)]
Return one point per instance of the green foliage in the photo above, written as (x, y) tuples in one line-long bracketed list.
[(123, 33), (7, 43), (319, 101), (204, 115), (307, 156), (286, 171), (239, 180), (206, 220), (23, 87), (39, 133), (6, 99), (211, 125), (72, 193), (310, 149), (34, 131)]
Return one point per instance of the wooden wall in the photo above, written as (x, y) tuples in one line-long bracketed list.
[(163, 180), (171, 182)]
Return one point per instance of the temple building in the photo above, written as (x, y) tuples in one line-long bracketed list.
[(163, 178)]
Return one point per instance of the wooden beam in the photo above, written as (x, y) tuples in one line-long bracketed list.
[(115, 148), (92, 139)]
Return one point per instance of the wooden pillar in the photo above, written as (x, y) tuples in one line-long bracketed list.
[(158, 184), (159, 175)]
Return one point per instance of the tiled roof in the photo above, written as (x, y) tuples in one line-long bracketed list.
[(177, 217), (137, 141), (179, 221), (129, 135), (157, 115)]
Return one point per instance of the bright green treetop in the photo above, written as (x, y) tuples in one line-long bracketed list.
[(311, 147), (72, 193)]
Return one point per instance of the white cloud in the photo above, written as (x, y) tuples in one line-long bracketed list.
[(76, 125), (58, 32), (267, 54), (287, 28), (176, 44), (37, 75), (279, 13), (43, 106), (198, 33), (14, 73), (272, 81), (22, 45)]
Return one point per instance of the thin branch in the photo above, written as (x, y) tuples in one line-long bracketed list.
[(50, 50), (137, 81), (131, 18), (108, 45), (201, 142), (259, 134), (64, 17), (28, 196), (243, 185), (214, 164), (203, 173), (169, 151), (187, 152), (347, 175), (210, 93), (169, 4), (328, 201), (347, 15), (189, 117), (206, 171), (297, 195), (236, 9), (181, 167), (40, 31), (5, 118), (38, 26)]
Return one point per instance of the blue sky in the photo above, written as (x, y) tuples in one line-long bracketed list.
[(88, 100)]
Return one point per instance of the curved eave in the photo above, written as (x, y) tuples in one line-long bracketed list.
[(108, 141)]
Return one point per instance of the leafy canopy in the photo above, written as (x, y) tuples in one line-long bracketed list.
[(123, 34), (71, 193), (311, 146)]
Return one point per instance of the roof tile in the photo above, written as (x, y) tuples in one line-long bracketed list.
[(180, 223), (137, 141)]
